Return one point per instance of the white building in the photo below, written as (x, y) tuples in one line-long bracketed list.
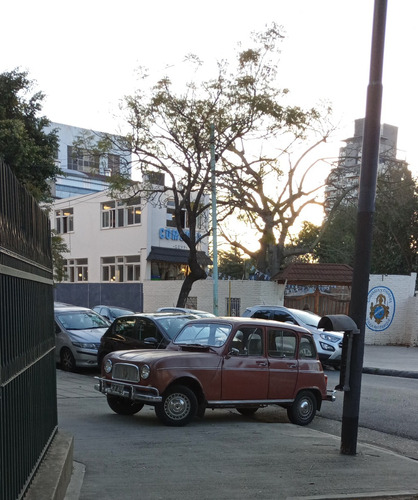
[(113, 241)]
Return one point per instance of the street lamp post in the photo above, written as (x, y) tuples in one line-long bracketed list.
[(366, 204)]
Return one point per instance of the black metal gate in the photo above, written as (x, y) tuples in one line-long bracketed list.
[(28, 407)]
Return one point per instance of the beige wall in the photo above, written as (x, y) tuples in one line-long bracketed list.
[(402, 331), (165, 293)]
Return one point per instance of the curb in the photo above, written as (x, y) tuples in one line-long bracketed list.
[(53, 475), (390, 372)]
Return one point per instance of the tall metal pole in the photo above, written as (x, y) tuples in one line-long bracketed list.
[(214, 220), (366, 204)]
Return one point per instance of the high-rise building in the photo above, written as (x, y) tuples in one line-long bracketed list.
[(85, 171), (344, 178)]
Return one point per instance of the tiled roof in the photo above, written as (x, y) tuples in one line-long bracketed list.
[(315, 274)]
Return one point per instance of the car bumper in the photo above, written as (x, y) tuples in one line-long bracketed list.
[(331, 395), (144, 394), (330, 359)]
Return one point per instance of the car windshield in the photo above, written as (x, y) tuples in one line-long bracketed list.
[(173, 324), (81, 320), (120, 312), (204, 334), (308, 318)]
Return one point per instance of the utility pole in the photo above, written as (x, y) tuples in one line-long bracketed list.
[(214, 220), (366, 206)]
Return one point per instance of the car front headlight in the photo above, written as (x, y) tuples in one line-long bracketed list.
[(86, 345), (327, 347), (145, 371), (108, 366), (329, 338)]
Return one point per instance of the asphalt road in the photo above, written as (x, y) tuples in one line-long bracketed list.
[(388, 412)]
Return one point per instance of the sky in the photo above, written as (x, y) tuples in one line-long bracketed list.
[(84, 54)]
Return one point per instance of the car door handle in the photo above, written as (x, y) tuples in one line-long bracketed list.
[(293, 366), (262, 363)]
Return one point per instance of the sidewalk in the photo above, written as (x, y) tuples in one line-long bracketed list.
[(255, 460), (395, 361)]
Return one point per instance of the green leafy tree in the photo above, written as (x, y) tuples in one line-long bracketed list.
[(172, 136), (58, 249), (395, 228), (232, 265), (24, 145)]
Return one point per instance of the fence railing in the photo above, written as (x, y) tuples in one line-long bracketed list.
[(28, 408)]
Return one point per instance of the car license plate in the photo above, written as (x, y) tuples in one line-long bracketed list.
[(117, 389)]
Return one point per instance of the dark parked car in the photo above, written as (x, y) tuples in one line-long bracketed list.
[(112, 312), (237, 363), (141, 331)]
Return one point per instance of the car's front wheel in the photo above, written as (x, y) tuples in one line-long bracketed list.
[(303, 410), (67, 360), (123, 406), (178, 407)]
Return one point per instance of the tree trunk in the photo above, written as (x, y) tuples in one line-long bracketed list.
[(196, 273)]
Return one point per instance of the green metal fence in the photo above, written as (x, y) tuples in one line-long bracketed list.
[(28, 408)]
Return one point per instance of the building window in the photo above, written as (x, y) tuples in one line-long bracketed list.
[(82, 160), (121, 269), (120, 214), (76, 270), (233, 306), (191, 303), (171, 219), (64, 221), (113, 164)]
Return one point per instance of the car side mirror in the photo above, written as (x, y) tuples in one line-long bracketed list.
[(151, 340), (234, 351)]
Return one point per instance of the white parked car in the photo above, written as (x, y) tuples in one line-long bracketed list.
[(328, 344)]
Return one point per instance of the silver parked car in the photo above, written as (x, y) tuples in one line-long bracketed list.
[(78, 331), (112, 312), (196, 312), (328, 344)]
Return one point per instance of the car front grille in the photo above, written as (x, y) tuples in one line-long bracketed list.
[(126, 372)]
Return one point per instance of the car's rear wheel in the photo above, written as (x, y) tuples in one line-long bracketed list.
[(178, 407), (247, 411), (303, 410), (67, 360), (123, 406)]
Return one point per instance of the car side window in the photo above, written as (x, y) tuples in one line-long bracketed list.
[(125, 327), (281, 343), (146, 329), (307, 348), (283, 317), (248, 341), (262, 314)]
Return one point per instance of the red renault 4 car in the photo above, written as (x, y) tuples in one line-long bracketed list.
[(237, 363)]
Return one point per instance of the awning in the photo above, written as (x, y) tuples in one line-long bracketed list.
[(176, 255)]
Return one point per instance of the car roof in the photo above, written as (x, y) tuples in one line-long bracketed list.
[(113, 307), (59, 306), (238, 320), (159, 315)]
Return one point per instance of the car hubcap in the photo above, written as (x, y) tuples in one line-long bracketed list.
[(177, 406), (305, 408)]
